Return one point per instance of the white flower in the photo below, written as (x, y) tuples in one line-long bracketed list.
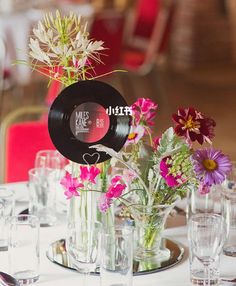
[(63, 41), (38, 53)]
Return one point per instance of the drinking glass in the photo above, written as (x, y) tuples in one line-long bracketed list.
[(49, 159), (24, 248), (228, 206), (116, 265), (7, 202), (83, 245), (53, 160), (206, 234), (42, 196)]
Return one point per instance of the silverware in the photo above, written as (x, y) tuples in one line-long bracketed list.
[(7, 280)]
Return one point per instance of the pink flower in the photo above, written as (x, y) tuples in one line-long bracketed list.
[(171, 181), (115, 179), (145, 105), (89, 173), (129, 175), (204, 189), (144, 109), (104, 203), (71, 185), (136, 133), (116, 188)]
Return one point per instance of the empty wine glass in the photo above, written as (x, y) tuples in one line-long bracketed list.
[(50, 159), (206, 234), (83, 246), (53, 160)]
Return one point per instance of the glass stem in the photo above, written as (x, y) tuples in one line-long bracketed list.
[(207, 280), (85, 278)]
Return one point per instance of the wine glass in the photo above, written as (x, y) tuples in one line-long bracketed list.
[(53, 160), (83, 245), (50, 159), (206, 234)]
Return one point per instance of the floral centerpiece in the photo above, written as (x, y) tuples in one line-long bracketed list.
[(150, 173), (159, 170)]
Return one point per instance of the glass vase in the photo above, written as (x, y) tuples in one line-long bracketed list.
[(149, 225), (85, 206)]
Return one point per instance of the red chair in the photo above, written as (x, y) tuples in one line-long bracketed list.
[(20, 141), (108, 26), (148, 35), (53, 91)]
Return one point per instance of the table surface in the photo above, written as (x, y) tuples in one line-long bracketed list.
[(52, 274)]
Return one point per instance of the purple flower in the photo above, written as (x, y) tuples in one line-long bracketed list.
[(104, 203), (211, 167)]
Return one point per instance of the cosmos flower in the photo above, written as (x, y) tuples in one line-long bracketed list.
[(136, 133), (211, 167), (191, 124), (71, 185)]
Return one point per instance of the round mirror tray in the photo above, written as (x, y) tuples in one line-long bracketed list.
[(173, 254)]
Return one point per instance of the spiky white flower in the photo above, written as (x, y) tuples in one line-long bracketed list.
[(63, 42)]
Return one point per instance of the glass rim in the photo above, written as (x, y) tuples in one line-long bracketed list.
[(33, 172), (47, 151), (156, 205)]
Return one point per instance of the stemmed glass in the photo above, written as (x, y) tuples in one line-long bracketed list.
[(54, 161), (83, 246), (50, 159), (206, 234)]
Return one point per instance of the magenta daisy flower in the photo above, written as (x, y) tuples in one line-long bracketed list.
[(211, 166)]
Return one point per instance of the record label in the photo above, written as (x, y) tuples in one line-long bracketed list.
[(89, 122), (87, 113)]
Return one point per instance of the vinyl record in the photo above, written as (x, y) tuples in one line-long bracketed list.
[(87, 113)]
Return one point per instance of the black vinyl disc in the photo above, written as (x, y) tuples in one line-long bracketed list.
[(87, 113)]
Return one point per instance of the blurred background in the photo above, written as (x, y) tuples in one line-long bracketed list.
[(179, 53)]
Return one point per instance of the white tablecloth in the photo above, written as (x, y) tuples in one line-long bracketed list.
[(52, 274)]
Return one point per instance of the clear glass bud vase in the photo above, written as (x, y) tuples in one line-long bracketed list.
[(85, 206)]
